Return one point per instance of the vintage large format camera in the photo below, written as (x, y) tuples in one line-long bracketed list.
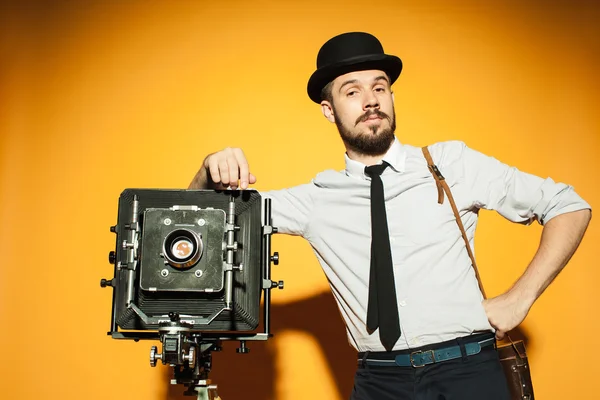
[(189, 270)]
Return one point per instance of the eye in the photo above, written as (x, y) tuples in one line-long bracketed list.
[(352, 93), (380, 89)]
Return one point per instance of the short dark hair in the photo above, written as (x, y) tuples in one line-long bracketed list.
[(326, 92)]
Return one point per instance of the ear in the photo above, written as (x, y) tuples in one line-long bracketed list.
[(327, 111)]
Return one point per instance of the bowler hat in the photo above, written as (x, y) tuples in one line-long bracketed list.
[(349, 52)]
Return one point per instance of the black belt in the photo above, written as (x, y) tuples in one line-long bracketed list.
[(420, 358)]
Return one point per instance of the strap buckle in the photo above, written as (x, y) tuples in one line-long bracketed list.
[(423, 362), (433, 168)]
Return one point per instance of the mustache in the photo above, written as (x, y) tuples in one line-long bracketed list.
[(368, 115)]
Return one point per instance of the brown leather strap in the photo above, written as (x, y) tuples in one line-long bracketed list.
[(440, 182), (437, 175)]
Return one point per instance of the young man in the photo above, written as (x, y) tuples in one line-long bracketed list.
[(395, 260)]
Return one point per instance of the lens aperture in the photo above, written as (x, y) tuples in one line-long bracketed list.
[(182, 248)]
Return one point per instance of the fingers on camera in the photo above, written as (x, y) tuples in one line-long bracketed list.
[(244, 169), (230, 168)]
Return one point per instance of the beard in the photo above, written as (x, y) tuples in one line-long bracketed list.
[(376, 142)]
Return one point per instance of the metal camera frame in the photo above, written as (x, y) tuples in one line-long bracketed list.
[(185, 347)]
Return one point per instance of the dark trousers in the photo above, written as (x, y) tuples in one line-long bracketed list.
[(476, 377)]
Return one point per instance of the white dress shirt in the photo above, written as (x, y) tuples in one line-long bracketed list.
[(437, 292)]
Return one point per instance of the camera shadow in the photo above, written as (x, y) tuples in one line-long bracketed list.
[(253, 375)]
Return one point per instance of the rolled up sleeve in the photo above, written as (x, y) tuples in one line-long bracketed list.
[(518, 196), (291, 208)]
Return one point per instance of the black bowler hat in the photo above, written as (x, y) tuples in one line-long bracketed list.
[(349, 52)]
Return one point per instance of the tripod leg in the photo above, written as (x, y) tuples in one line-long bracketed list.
[(213, 393), (207, 392), (202, 393)]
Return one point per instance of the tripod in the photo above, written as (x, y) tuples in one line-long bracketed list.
[(190, 356)]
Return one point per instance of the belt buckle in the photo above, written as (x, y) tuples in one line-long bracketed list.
[(412, 361)]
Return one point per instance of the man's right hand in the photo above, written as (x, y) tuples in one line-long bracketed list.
[(224, 169)]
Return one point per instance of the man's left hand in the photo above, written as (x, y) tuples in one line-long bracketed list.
[(505, 312)]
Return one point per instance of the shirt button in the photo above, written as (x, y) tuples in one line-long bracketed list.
[(392, 240), (402, 303)]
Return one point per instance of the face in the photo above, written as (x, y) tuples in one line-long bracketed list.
[(363, 110)]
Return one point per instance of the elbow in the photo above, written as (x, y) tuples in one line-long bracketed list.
[(581, 218), (588, 215)]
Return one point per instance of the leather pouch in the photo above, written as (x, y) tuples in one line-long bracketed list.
[(516, 368)]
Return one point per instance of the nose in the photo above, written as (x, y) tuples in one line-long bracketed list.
[(370, 101)]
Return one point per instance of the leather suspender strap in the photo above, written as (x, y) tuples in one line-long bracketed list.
[(443, 187), (437, 175), (440, 182)]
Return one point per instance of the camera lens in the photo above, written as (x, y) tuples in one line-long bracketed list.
[(182, 248)]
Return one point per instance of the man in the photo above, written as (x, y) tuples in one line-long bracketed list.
[(394, 257)]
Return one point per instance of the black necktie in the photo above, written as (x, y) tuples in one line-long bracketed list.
[(382, 310)]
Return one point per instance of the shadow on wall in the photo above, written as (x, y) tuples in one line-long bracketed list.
[(253, 375)]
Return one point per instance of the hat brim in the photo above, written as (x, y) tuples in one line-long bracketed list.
[(391, 65)]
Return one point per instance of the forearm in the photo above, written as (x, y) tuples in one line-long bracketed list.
[(560, 238), (200, 180)]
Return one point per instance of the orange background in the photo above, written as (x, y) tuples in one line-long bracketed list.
[(98, 96)]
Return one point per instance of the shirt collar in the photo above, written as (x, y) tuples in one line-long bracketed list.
[(395, 156)]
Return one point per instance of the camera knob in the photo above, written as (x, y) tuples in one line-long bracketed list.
[(112, 257), (239, 267), (190, 357), (242, 349), (278, 285), (154, 356), (275, 258), (105, 282)]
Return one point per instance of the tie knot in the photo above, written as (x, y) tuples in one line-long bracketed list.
[(374, 170)]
